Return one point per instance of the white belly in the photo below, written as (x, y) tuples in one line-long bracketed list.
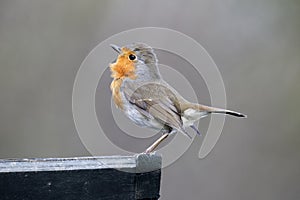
[(139, 119)]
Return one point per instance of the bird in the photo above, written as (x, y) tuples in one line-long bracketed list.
[(139, 90)]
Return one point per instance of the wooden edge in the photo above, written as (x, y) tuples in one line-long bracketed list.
[(148, 162), (137, 163)]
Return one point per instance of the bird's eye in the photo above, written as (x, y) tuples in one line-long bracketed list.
[(132, 57)]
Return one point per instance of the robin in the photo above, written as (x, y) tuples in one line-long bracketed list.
[(139, 90)]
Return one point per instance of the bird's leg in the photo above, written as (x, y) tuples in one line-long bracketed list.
[(195, 129), (156, 143)]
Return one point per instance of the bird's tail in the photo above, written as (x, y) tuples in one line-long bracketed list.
[(210, 110)]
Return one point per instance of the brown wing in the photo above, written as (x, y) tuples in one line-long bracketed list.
[(156, 101)]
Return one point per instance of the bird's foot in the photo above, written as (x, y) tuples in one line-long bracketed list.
[(148, 150), (156, 143)]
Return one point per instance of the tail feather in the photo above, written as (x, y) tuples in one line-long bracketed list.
[(229, 112), (218, 110)]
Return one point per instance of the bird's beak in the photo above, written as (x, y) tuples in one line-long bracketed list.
[(116, 48)]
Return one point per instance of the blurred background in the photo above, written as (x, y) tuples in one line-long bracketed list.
[(254, 43)]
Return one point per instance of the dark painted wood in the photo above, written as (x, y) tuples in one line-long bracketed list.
[(92, 178)]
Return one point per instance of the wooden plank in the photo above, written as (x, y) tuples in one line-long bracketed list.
[(87, 178)]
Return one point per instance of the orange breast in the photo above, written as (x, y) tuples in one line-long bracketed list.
[(122, 68), (115, 88)]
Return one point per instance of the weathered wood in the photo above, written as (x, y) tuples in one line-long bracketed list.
[(87, 178)]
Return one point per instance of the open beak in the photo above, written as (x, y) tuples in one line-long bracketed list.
[(116, 48)]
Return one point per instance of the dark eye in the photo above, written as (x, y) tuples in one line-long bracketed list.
[(132, 57)]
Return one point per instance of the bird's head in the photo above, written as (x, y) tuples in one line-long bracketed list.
[(135, 61)]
